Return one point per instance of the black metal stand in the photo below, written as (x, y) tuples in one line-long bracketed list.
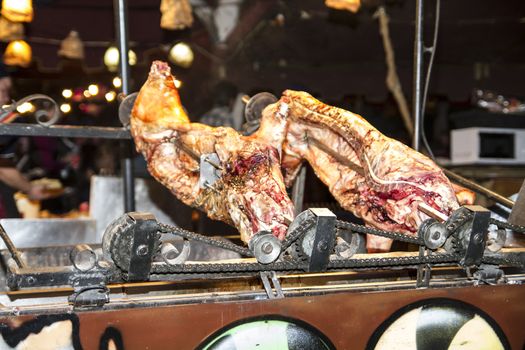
[(121, 20), (418, 68)]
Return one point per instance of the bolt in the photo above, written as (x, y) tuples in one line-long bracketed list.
[(477, 238), (322, 245), (436, 235), (267, 248), (30, 280), (142, 250)]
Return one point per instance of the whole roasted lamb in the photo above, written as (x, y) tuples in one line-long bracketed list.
[(379, 179), (389, 185), (249, 192)]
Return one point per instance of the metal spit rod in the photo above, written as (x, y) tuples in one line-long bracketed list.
[(471, 185), (418, 67), (121, 20)]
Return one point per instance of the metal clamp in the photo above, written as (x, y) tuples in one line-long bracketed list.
[(266, 277), (323, 240), (478, 235)]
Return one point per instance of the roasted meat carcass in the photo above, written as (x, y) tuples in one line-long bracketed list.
[(377, 178), (249, 192)]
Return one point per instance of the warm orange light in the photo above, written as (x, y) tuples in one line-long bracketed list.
[(350, 5), (18, 53), (18, 10)]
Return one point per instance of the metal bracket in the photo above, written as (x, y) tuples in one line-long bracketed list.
[(489, 274), (90, 290), (478, 235), (324, 239), (210, 170), (143, 246), (268, 278), (89, 296)]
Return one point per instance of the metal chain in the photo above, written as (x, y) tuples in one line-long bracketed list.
[(198, 268), (298, 232), (210, 268), (502, 224), (397, 236), (169, 229)]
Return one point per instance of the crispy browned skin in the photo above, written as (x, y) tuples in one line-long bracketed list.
[(250, 193), (377, 178)]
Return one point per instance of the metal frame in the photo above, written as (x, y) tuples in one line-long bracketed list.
[(47, 130)]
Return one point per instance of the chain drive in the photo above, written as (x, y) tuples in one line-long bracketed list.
[(301, 265)]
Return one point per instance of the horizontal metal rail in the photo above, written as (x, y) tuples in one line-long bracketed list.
[(19, 129)]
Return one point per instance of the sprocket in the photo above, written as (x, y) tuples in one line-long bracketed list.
[(117, 241)]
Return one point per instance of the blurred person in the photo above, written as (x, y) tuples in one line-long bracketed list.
[(11, 179)]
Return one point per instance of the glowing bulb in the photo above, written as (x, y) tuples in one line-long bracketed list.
[(17, 10), (177, 83), (112, 58), (110, 96), (87, 94), (93, 89), (18, 53), (67, 93), (117, 82), (25, 108), (65, 107), (181, 54)]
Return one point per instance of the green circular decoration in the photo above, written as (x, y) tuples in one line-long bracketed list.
[(267, 334)]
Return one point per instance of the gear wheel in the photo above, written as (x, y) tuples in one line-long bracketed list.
[(460, 227), (117, 242)]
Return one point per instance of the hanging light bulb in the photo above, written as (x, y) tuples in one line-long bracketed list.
[(117, 82), (112, 58), (181, 54), (67, 93), (17, 10), (18, 53), (72, 47), (65, 108)]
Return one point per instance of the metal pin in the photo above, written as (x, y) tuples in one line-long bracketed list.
[(210, 187), (433, 213), (212, 163)]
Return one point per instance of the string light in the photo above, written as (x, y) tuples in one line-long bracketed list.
[(112, 58), (65, 107), (110, 96), (117, 82), (93, 89), (87, 94), (25, 107), (177, 83), (67, 93), (181, 54)]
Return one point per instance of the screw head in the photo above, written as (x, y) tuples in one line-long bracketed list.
[(142, 250), (322, 245), (267, 247)]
